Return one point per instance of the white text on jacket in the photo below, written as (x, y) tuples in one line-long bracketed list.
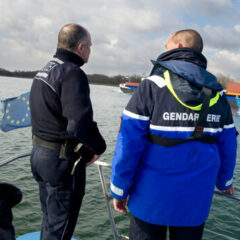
[(178, 116)]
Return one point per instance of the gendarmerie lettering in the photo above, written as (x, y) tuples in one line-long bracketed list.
[(180, 116)]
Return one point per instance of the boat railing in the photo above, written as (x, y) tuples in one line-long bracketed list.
[(100, 165), (107, 196)]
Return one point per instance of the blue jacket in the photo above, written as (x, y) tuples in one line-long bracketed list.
[(173, 185)]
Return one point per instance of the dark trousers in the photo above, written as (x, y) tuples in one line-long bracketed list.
[(140, 230), (61, 193)]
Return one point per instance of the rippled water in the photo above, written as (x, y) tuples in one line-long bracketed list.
[(108, 104)]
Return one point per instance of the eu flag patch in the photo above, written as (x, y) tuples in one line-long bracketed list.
[(16, 113)]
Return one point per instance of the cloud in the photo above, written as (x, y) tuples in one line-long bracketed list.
[(226, 63), (213, 9), (121, 58), (125, 34), (222, 38)]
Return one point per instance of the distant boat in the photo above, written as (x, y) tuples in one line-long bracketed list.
[(128, 87), (233, 90), (233, 93)]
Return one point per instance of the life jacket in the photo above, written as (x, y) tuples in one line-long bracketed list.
[(198, 134)]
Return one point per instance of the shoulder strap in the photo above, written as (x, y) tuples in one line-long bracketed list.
[(201, 123)]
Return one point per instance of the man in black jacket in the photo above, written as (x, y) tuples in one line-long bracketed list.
[(62, 120)]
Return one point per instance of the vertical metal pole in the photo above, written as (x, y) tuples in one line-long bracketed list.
[(108, 198)]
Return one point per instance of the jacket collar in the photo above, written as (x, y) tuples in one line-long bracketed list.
[(188, 64), (184, 54), (69, 56)]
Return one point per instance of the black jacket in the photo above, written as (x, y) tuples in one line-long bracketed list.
[(60, 103)]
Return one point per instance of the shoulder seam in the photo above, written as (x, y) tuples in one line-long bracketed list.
[(159, 81)]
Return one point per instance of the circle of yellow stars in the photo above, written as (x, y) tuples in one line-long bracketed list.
[(17, 121)]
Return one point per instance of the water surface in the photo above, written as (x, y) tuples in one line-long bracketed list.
[(93, 224)]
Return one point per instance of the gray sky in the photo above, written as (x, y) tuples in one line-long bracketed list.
[(126, 34)]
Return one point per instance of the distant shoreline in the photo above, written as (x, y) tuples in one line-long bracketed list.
[(99, 79), (103, 84), (104, 79), (93, 78)]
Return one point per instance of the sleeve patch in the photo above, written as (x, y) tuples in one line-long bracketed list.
[(116, 190), (157, 80), (229, 182), (229, 126)]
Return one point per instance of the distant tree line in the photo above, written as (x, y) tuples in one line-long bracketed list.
[(93, 78), (20, 74), (115, 80), (224, 80), (103, 79)]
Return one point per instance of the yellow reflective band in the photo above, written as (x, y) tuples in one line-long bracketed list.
[(195, 108), (214, 99)]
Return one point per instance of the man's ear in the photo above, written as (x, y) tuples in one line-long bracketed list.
[(80, 47), (79, 50), (179, 45)]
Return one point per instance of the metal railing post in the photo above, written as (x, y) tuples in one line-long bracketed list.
[(108, 198)]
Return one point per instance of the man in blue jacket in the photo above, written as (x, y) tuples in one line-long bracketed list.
[(177, 140), (62, 120)]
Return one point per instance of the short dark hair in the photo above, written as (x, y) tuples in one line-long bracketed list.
[(71, 35), (189, 38)]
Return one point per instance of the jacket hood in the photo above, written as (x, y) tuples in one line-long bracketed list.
[(190, 65)]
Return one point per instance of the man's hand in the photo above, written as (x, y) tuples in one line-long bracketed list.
[(94, 158), (120, 205), (229, 191)]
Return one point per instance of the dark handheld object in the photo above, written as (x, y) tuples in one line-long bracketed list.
[(84, 154)]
